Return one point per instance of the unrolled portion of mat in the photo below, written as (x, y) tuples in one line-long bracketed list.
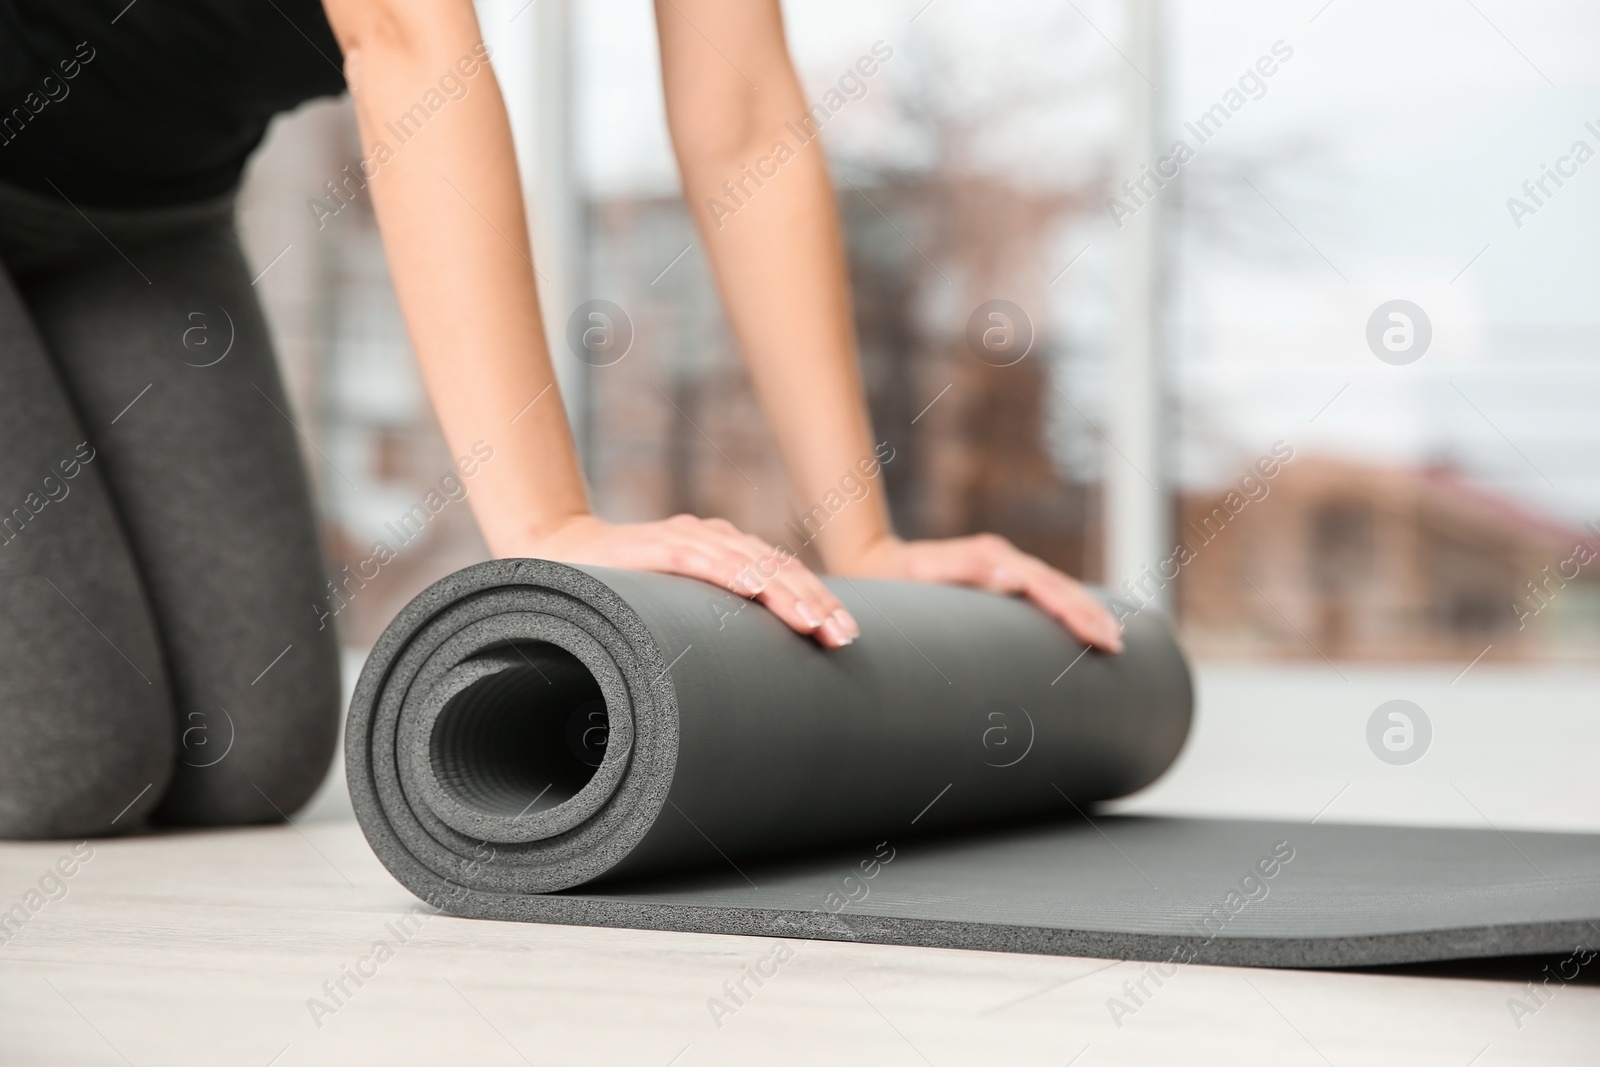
[(1167, 890), (524, 727)]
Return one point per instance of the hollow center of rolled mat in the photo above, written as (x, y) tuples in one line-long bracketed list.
[(524, 739)]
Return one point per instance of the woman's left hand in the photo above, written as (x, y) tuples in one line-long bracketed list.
[(990, 562)]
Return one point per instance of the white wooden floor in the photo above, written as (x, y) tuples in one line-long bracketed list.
[(205, 948)]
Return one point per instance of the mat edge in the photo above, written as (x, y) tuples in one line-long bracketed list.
[(1299, 953)]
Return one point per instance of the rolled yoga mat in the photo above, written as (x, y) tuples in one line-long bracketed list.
[(588, 746)]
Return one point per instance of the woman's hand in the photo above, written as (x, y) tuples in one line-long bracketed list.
[(713, 550), (716, 551), (990, 562)]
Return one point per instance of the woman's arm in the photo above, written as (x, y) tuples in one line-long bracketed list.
[(779, 262), (449, 205)]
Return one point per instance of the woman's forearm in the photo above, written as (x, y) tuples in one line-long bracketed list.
[(779, 258), (437, 155)]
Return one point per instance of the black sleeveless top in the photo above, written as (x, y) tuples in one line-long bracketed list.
[(155, 102)]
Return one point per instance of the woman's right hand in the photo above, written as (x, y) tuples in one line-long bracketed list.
[(713, 550)]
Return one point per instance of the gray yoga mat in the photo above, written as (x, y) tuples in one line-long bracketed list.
[(1164, 890), (546, 743)]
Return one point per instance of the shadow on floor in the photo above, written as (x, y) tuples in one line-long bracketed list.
[(1580, 968)]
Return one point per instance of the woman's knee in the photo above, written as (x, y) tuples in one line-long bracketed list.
[(262, 757)]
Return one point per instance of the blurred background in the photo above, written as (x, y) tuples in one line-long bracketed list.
[(1176, 321)]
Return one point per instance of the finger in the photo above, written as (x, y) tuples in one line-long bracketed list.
[(814, 599), (764, 559), (1010, 570), (803, 616), (761, 558), (720, 538), (794, 605), (808, 585), (1074, 607), (1056, 593), (713, 556)]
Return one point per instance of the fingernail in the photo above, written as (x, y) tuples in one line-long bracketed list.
[(835, 634), (808, 614), (847, 624)]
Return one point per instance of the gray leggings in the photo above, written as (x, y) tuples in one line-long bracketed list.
[(160, 656)]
